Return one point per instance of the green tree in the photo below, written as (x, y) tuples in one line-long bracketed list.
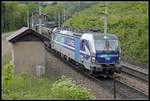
[(128, 20)]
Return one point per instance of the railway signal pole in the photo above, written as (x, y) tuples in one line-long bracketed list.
[(32, 22), (59, 19), (40, 18), (64, 12), (105, 19), (65, 15), (27, 18)]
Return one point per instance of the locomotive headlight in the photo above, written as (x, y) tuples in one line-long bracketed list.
[(82, 59), (93, 59), (119, 58)]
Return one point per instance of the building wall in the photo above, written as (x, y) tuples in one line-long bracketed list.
[(27, 55)]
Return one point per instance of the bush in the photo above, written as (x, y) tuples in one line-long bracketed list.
[(23, 86), (7, 76), (65, 88), (26, 87)]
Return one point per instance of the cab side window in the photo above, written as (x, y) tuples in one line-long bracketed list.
[(82, 47)]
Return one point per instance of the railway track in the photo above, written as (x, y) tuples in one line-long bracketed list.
[(122, 90), (135, 71), (132, 87), (128, 92)]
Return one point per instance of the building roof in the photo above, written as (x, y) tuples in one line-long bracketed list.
[(23, 31)]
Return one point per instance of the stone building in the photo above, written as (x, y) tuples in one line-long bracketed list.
[(34, 20), (28, 50)]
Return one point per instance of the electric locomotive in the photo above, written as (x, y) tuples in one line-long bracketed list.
[(98, 53)]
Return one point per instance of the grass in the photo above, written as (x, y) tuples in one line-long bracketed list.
[(25, 87)]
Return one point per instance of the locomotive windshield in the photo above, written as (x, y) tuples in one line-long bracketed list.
[(106, 44)]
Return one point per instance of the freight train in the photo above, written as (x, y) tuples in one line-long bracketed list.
[(94, 52)]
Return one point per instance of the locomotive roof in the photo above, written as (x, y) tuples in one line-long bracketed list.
[(96, 35), (105, 36)]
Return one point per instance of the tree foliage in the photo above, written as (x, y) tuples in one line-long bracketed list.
[(14, 14), (128, 20), (66, 88), (54, 11), (64, 10)]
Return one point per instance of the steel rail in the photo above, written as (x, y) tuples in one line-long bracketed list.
[(132, 70)]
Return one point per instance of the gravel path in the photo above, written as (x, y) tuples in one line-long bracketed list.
[(56, 66)]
